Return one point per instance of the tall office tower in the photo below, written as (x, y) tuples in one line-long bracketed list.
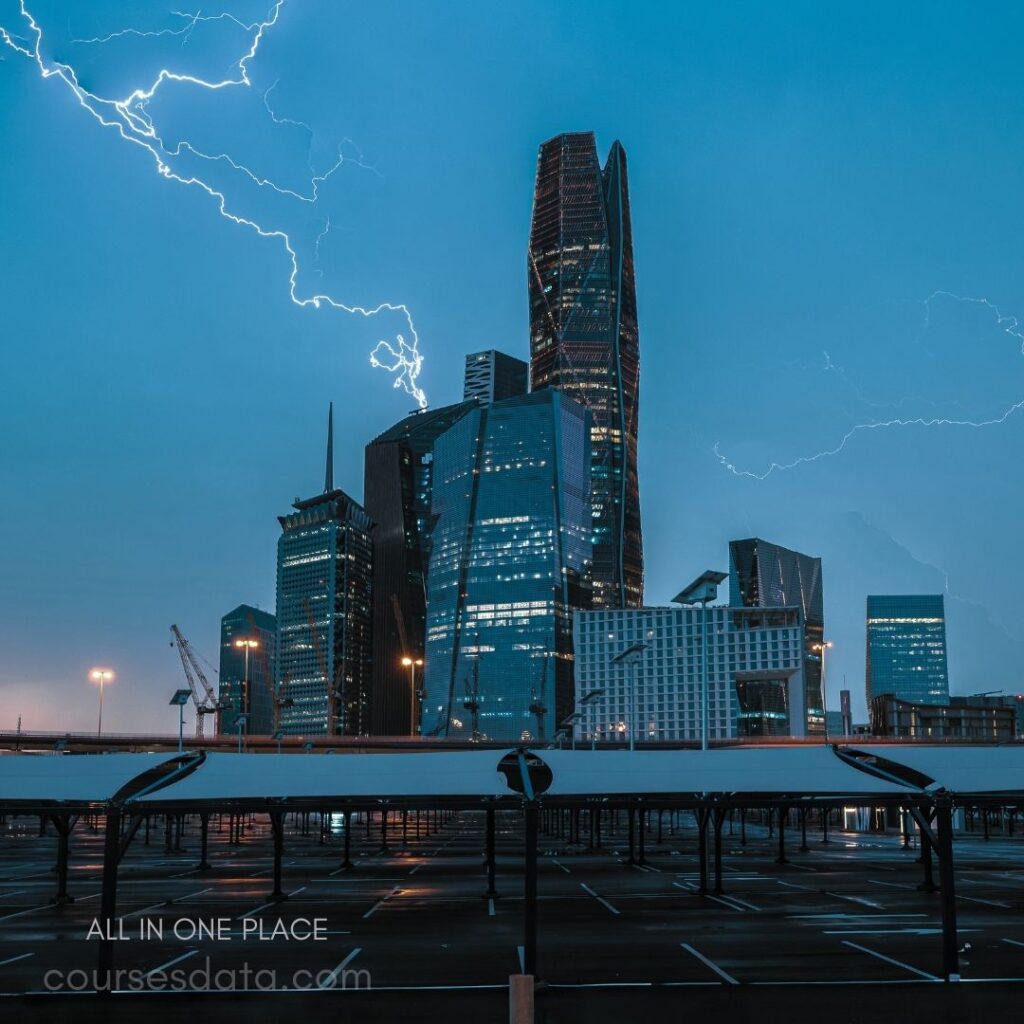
[(906, 649), (397, 491), (584, 338), (510, 556), (492, 376), (324, 612), (248, 653), (763, 575)]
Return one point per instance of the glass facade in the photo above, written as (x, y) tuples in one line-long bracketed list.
[(584, 338), (397, 490), (493, 376), (764, 575), (906, 649), (241, 691), (324, 615), (509, 562)]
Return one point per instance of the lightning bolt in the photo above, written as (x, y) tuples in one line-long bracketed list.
[(130, 118), (1010, 324)]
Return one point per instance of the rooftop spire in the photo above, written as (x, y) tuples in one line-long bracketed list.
[(329, 471)]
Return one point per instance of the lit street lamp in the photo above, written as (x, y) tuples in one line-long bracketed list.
[(101, 676), (821, 649), (630, 656), (412, 664), (179, 700), (703, 589), (247, 645)]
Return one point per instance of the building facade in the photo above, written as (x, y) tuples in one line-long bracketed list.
[(509, 563), (994, 719), (765, 575), (584, 338), (325, 613), (492, 376), (247, 684), (906, 648), (755, 673), (397, 496)]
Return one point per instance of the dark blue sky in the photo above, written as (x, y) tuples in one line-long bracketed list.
[(803, 179)]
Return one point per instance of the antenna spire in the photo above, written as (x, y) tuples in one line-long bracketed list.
[(329, 471)]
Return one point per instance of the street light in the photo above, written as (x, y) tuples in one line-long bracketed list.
[(180, 699), (821, 649), (247, 645), (101, 676), (279, 735), (703, 589), (630, 656), (240, 721), (586, 700), (412, 664)]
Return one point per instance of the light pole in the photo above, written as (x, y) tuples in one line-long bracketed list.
[(630, 656), (703, 589), (240, 725), (100, 675), (180, 699), (247, 645), (822, 648), (412, 664)]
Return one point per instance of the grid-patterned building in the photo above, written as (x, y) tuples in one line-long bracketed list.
[(755, 672), (324, 613), (492, 376), (906, 649), (765, 575), (397, 494), (509, 563), (584, 337), (247, 683)]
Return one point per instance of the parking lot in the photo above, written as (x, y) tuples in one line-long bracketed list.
[(415, 918)]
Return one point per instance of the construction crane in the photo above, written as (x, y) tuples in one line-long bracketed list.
[(203, 696), (333, 693), (537, 706), (472, 701)]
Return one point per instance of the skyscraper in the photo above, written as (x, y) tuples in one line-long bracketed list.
[(764, 575), (397, 494), (906, 649), (492, 376), (509, 562), (247, 683), (584, 338), (324, 612)]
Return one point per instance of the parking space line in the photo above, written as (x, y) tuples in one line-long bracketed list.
[(726, 903), (890, 885), (557, 863), (1013, 942), (380, 903), (15, 959), (490, 908), (271, 903), (856, 899), (890, 960), (794, 885), (171, 963), (600, 899), (988, 903), (724, 975), (17, 892), (328, 982), (21, 913)]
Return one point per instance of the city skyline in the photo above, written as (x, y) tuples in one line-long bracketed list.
[(791, 230)]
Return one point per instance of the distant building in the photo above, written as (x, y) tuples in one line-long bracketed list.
[(969, 718), (765, 575), (251, 692), (509, 562), (397, 495), (324, 612), (492, 376), (906, 649), (584, 337)]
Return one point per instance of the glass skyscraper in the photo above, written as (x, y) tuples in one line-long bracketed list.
[(324, 613), (510, 557), (584, 338), (764, 575), (906, 649), (492, 376), (397, 495), (247, 692)]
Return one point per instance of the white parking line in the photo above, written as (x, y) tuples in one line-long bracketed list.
[(21, 913), (272, 903), (490, 907), (726, 903), (558, 864), (890, 885), (328, 982), (15, 959), (380, 903), (17, 892), (1013, 942), (709, 963), (890, 960), (856, 899), (988, 903), (600, 899), (171, 963)]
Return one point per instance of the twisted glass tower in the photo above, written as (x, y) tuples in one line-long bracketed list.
[(584, 338)]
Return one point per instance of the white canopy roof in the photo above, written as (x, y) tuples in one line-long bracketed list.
[(960, 769), (770, 770), (472, 773), (72, 778)]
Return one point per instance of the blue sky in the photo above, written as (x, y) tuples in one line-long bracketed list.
[(803, 179)]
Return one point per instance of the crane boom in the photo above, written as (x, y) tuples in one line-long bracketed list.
[(202, 693)]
